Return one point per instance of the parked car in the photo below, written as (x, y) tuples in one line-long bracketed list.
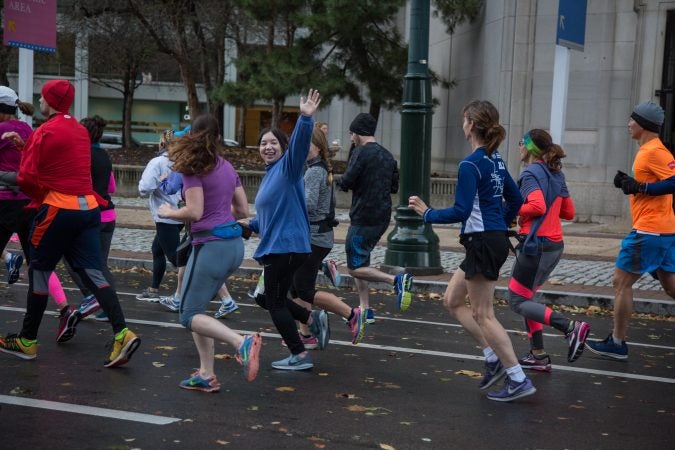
[(231, 143), (114, 140)]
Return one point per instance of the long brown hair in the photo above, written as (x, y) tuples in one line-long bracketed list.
[(196, 153), (94, 126), (319, 139), (485, 118), (551, 153)]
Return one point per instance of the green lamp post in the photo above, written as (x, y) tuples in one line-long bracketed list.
[(413, 244)]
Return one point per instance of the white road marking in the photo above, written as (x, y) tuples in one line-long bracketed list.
[(416, 350), (88, 410)]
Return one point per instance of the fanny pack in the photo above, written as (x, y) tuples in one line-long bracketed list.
[(229, 230)]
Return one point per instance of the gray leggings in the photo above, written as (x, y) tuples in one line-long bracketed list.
[(207, 269)]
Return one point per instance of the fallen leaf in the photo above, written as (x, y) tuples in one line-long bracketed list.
[(469, 373), (222, 356), (164, 347), (285, 389), (158, 364), (386, 447), (221, 442), (435, 296)]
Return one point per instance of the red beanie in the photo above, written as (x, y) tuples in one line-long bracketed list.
[(59, 94)]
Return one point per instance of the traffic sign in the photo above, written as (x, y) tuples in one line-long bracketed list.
[(571, 24)]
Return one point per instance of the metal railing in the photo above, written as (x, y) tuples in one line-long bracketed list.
[(442, 190)]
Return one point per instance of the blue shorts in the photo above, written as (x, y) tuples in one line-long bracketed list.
[(641, 253), (360, 241)]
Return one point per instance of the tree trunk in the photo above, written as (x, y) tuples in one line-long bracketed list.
[(241, 129), (374, 109), (190, 87), (127, 105), (276, 114)]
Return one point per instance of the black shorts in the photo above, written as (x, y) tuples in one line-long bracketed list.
[(486, 253)]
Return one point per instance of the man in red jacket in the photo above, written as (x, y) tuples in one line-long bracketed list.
[(55, 172)]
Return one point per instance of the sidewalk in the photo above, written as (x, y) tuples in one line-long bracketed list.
[(583, 277)]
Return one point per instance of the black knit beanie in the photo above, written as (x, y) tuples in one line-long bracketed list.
[(364, 125)]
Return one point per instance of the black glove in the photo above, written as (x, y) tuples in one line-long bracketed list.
[(630, 186), (619, 177)]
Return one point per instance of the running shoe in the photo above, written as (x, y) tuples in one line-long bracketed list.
[(101, 317), (248, 355), (357, 325), (13, 261), (576, 340), (402, 287), (197, 383), (538, 363), (513, 390), (493, 373), (171, 302), (88, 306), (225, 309), (123, 347), (330, 270), (148, 296), (310, 342), (320, 328), (370, 316), (68, 320), (18, 346), (609, 349), (294, 362)]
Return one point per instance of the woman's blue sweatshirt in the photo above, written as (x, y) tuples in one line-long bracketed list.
[(281, 213)]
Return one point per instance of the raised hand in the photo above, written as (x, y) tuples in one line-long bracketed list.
[(309, 105)]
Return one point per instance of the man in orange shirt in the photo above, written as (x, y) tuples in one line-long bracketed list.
[(650, 246)]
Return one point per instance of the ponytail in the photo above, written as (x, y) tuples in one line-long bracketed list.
[(26, 108)]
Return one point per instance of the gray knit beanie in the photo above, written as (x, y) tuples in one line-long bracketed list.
[(649, 116)]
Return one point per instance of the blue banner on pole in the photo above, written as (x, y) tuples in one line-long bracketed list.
[(571, 24)]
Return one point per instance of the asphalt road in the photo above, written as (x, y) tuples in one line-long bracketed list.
[(408, 385)]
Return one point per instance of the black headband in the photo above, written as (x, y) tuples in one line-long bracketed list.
[(7, 109), (644, 123)]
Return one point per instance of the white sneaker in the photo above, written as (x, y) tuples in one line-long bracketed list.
[(226, 308)]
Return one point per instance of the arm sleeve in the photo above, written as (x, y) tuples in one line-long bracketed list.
[(467, 186), (172, 184), (348, 179), (313, 180), (395, 179), (662, 187), (28, 177), (112, 185), (150, 179), (534, 204), (567, 208), (298, 147), (253, 224)]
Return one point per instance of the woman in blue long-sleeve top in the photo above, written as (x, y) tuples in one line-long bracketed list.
[(283, 225), (483, 183)]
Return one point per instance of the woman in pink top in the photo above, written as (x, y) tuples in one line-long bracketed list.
[(12, 201), (542, 185)]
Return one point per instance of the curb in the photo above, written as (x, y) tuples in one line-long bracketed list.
[(604, 302)]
